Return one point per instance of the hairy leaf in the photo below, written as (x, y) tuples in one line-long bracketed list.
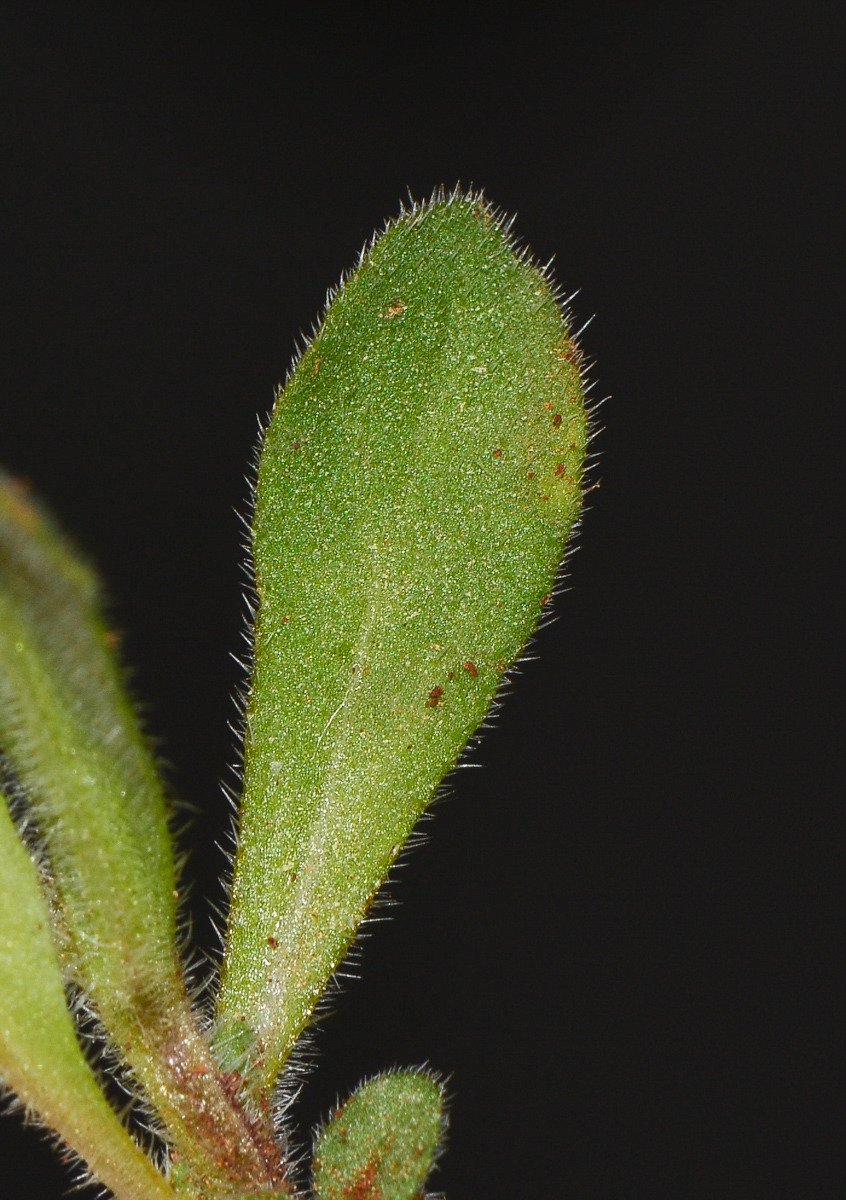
[(416, 488), (72, 738), (40, 1058), (381, 1144)]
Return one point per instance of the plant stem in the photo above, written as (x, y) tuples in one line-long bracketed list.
[(220, 1147)]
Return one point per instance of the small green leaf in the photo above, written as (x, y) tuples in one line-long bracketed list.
[(416, 488), (72, 738), (382, 1143), (40, 1058)]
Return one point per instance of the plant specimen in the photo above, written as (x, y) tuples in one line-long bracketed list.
[(415, 488)]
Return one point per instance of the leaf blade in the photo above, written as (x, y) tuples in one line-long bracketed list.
[(40, 1058), (72, 737), (381, 1144), (417, 483), (74, 742)]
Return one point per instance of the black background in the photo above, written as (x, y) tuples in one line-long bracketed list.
[(624, 936)]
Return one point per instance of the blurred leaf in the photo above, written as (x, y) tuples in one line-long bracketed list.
[(40, 1058), (73, 740)]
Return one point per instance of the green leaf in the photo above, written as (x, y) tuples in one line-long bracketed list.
[(73, 740), (382, 1143), (417, 484), (40, 1058)]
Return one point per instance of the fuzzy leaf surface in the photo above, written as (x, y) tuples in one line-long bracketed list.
[(40, 1058), (417, 484), (71, 735), (382, 1143), (72, 738)]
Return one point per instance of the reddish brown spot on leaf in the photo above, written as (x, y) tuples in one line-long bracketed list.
[(497, 454), (434, 697), (471, 668), (364, 1186), (557, 419), (273, 943)]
